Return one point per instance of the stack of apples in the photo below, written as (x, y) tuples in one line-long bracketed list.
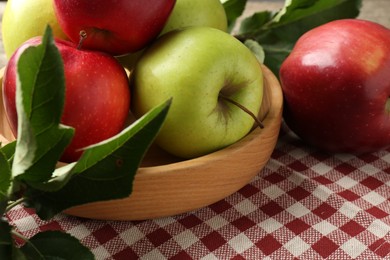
[(172, 49)]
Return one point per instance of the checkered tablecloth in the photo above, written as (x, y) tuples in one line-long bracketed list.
[(303, 205)]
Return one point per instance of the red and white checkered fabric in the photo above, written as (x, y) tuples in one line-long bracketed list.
[(303, 205)]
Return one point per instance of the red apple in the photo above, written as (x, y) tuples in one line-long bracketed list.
[(97, 95), (336, 84), (117, 27)]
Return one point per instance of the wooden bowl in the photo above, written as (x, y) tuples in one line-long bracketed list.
[(166, 186)]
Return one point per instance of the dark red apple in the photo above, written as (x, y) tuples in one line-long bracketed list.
[(97, 95), (117, 27), (336, 84)]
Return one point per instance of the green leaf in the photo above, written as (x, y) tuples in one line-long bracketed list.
[(104, 172), (55, 245), (256, 49), (233, 9), (303, 15), (6, 156), (40, 100), (3, 207), (275, 54), (9, 150), (5, 177), (255, 22), (278, 32), (6, 241), (5, 233)]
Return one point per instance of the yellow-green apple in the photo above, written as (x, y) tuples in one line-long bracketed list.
[(201, 68), (186, 13), (97, 95), (116, 27), (210, 13), (336, 84), (25, 19)]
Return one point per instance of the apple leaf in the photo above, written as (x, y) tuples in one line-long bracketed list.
[(275, 54), (255, 22), (105, 171), (55, 245), (9, 150), (278, 32), (6, 241), (256, 49), (5, 177), (39, 101), (8, 249), (233, 9)]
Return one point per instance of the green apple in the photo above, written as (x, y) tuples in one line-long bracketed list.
[(210, 13), (199, 67), (186, 13), (24, 19)]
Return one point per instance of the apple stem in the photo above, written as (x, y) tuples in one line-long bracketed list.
[(257, 121), (83, 36)]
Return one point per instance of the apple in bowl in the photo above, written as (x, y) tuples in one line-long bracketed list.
[(24, 19), (200, 68), (116, 28), (209, 13), (97, 95)]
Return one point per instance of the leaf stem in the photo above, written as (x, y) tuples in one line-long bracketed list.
[(18, 235), (13, 204)]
